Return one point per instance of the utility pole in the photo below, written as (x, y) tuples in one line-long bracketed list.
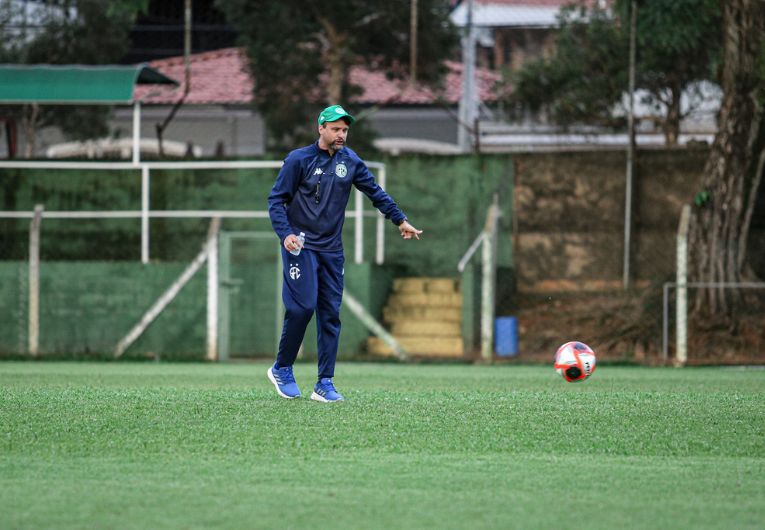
[(468, 107), (413, 42), (187, 46), (630, 150)]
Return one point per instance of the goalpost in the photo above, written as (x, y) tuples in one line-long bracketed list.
[(681, 286)]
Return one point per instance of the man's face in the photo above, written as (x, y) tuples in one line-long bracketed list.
[(332, 134)]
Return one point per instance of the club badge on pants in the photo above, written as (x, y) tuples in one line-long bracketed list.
[(294, 271)]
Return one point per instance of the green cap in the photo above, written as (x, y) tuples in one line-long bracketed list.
[(334, 113)]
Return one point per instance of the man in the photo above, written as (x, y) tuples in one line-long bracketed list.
[(310, 196)]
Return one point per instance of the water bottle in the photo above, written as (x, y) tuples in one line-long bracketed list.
[(301, 239)]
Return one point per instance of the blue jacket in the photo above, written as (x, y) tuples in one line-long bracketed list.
[(311, 193)]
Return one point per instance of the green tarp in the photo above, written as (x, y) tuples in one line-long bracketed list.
[(74, 84)]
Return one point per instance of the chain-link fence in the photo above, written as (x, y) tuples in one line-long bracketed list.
[(88, 248)]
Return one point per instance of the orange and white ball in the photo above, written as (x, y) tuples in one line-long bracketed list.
[(575, 361)]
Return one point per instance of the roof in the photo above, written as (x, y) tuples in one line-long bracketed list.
[(378, 89), (514, 13), (217, 77), (223, 77), (74, 84)]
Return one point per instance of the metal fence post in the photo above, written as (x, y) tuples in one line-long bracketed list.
[(681, 354), (34, 281)]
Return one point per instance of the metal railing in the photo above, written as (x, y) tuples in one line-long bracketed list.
[(145, 213), (488, 239)]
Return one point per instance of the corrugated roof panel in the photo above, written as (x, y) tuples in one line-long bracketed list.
[(74, 84)]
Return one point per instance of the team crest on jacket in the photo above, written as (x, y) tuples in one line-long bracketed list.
[(340, 170), (294, 271)]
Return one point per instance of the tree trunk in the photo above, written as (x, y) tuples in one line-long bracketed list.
[(720, 224), (335, 58), (672, 119)]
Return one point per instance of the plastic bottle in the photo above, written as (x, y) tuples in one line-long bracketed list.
[(301, 239)]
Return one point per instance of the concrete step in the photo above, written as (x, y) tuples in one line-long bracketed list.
[(409, 285), (397, 314), (424, 285), (421, 328), (423, 347), (436, 299), (441, 285)]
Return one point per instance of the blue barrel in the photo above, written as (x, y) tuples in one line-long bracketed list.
[(506, 336)]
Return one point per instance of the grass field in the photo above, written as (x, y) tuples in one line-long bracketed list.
[(121, 445)]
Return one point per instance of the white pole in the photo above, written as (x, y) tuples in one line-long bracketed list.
[(211, 164), (373, 325), (630, 153), (145, 182), (212, 298), (136, 132), (487, 283), (380, 240), (681, 356), (34, 282), (359, 232)]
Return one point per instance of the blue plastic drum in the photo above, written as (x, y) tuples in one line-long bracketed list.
[(506, 336)]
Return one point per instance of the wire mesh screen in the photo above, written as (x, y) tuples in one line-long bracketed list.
[(250, 300), (92, 286), (111, 242), (719, 340)]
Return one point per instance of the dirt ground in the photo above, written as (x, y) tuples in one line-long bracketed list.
[(627, 327)]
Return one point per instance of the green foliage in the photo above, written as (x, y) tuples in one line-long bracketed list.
[(677, 43), (298, 48), (584, 77), (421, 185), (450, 447), (74, 32)]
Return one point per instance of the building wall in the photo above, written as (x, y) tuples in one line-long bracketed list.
[(568, 230), (240, 130), (436, 123)]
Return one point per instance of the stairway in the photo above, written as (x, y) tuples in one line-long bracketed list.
[(425, 317)]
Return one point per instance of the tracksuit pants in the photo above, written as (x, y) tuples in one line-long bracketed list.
[(313, 283)]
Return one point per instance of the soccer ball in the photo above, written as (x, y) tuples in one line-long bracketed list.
[(575, 361)]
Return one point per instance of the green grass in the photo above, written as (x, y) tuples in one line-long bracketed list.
[(120, 445)]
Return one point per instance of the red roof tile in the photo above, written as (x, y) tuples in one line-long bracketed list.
[(222, 77), (217, 77), (377, 89)]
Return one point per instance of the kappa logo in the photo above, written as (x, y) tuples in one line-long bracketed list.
[(318, 171), (294, 271), (340, 170)]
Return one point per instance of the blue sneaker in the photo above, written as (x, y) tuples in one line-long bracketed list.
[(284, 382), (325, 392)]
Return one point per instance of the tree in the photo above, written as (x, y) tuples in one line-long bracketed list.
[(720, 221), (301, 52), (586, 77), (68, 32)]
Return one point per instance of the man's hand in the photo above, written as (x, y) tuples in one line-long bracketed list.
[(291, 242), (408, 231)]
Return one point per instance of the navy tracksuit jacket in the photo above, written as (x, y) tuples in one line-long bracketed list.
[(310, 195)]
